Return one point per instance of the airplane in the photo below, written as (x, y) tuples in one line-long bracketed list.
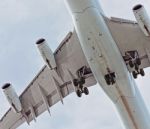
[(112, 52)]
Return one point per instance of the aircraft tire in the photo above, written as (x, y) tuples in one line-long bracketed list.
[(134, 74), (79, 93), (142, 72), (107, 79), (85, 90)]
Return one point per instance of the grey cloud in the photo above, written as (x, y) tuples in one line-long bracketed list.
[(13, 11)]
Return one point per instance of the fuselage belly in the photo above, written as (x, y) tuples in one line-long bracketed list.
[(102, 54)]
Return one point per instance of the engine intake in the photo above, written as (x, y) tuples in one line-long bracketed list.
[(40, 41), (137, 7), (12, 97), (142, 18), (7, 85)]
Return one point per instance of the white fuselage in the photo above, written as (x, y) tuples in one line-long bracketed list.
[(102, 54)]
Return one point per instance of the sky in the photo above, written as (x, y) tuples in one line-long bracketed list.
[(22, 23)]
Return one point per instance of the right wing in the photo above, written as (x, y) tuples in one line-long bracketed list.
[(49, 86), (129, 37)]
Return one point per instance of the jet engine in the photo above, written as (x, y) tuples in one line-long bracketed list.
[(142, 18), (12, 97), (46, 53)]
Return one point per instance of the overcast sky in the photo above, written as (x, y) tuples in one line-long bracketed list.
[(22, 22)]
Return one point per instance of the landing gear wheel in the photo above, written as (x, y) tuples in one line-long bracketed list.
[(134, 74), (142, 72), (85, 90), (107, 78), (131, 64), (113, 81), (138, 61), (79, 93), (108, 82), (113, 78), (75, 82)]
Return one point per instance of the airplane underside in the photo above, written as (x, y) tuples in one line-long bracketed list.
[(107, 64), (111, 52)]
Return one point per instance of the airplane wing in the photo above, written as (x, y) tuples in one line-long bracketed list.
[(50, 87), (129, 37)]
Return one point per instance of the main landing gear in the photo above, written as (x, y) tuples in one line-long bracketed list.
[(80, 81), (110, 78), (133, 60)]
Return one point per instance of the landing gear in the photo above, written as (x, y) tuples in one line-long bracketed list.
[(136, 73), (136, 66), (131, 64), (80, 81), (110, 78), (133, 60), (75, 82), (83, 90), (138, 61)]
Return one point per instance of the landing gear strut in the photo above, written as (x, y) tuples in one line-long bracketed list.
[(133, 60)]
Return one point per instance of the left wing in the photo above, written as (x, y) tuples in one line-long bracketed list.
[(51, 86)]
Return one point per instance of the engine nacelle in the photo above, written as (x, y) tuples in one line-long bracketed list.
[(46, 53), (12, 97), (142, 18)]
